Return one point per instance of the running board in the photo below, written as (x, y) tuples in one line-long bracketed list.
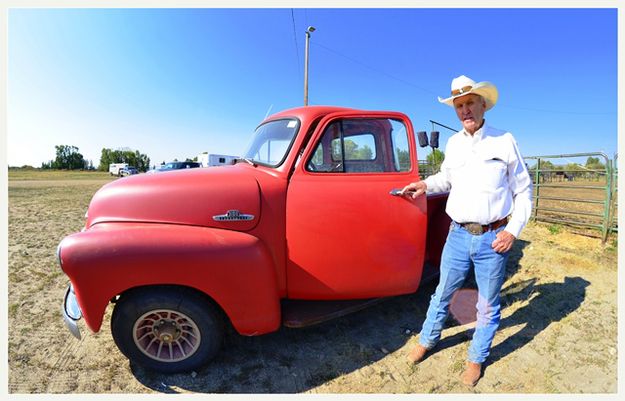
[(297, 313)]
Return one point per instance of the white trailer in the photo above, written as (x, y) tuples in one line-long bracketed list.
[(115, 167), (208, 160)]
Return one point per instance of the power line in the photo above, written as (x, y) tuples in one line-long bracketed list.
[(430, 92), (295, 39), (581, 113), (372, 68)]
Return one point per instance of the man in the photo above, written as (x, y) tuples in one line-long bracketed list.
[(490, 201)]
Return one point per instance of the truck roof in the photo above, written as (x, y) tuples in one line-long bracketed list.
[(308, 112)]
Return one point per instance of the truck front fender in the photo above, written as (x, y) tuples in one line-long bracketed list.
[(235, 269)]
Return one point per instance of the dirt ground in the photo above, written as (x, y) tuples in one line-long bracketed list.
[(558, 332)]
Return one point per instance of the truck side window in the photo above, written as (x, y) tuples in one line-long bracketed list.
[(361, 145), (401, 150)]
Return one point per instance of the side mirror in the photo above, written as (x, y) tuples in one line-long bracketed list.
[(423, 138), (434, 139)]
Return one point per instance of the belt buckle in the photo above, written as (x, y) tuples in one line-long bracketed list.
[(474, 228)]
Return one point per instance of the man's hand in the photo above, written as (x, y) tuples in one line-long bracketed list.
[(414, 189), (504, 242)]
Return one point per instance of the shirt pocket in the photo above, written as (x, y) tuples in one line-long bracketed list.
[(492, 172)]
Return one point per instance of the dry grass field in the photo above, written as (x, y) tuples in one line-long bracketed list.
[(558, 332)]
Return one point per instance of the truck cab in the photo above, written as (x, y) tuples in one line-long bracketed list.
[(309, 214)]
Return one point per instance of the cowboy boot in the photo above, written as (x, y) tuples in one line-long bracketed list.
[(472, 373), (417, 354)]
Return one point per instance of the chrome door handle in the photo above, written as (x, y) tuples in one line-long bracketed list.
[(397, 192)]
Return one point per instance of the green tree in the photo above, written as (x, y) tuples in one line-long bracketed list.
[(106, 158), (67, 158), (435, 159), (403, 156), (593, 163), (352, 150), (364, 153), (136, 159), (547, 165)]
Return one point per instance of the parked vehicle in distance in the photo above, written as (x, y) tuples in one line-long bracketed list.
[(129, 170), (307, 226), (212, 159), (114, 168), (176, 166)]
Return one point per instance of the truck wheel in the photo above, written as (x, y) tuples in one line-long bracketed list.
[(166, 329)]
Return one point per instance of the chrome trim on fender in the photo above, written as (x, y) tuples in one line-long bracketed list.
[(71, 312), (58, 254), (233, 215)]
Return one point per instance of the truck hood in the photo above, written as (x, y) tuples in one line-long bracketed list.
[(223, 197)]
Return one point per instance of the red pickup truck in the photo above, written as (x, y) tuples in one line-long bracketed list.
[(306, 226)]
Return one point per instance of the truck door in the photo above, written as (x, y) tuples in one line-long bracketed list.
[(347, 236)]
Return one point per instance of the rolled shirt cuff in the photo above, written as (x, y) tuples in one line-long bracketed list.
[(514, 228)]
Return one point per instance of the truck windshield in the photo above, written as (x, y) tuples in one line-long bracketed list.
[(271, 142)]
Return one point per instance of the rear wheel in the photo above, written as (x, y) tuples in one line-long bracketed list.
[(167, 329)]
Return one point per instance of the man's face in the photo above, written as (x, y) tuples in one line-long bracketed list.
[(470, 110)]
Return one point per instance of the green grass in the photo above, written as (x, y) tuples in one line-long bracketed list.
[(555, 229), (13, 308), (51, 175), (613, 245)]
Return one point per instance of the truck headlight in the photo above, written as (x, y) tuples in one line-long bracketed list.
[(71, 304)]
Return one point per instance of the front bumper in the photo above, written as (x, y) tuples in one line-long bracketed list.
[(71, 312)]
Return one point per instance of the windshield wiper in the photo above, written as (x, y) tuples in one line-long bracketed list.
[(246, 159)]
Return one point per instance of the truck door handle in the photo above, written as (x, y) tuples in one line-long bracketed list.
[(397, 192)]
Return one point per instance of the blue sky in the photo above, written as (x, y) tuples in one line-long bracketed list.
[(173, 83)]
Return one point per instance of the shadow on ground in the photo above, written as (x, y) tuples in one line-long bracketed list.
[(548, 303), (296, 360)]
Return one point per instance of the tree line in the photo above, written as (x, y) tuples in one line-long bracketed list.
[(592, 164), (594, 169), (135, 159), (68, 157)]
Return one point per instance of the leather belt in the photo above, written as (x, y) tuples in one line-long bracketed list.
[(479, 229)]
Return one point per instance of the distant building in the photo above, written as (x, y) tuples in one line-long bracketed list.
[(208, 160)]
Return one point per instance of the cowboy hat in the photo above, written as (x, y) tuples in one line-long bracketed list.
[(463, 85)]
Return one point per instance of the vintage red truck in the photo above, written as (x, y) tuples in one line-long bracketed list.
[(307, 225)]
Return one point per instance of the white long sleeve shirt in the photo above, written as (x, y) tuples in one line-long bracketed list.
[(487, 179)]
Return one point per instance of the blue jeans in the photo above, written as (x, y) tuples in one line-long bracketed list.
[(461, 249)]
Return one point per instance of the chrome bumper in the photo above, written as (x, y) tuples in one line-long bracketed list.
[(71, 312)]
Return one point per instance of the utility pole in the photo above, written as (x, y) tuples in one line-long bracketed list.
[(308, 32)]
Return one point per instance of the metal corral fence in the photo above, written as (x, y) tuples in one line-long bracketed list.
[(576, 194), (570, 194)]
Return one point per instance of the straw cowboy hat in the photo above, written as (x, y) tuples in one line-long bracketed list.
[(463, 85)]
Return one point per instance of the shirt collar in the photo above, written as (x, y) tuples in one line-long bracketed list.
[(478, 135)]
